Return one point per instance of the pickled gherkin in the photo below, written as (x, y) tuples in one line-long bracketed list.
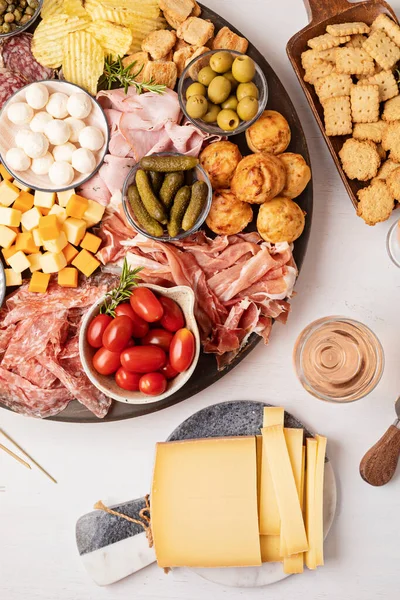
[(156, 181), (171, 184), (196, 205), (168, 164), (147, 222), (178, 210), (149, 199)]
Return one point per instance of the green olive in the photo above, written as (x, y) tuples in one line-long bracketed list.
[(206, 75), (247, 108), (6, 27), (212, 113), (8, 18), (196, 89), (247, 89), (221, 62), (228, 75), (219, 89), (25, 19), (196, 107), (230, 102), (3, 6), (243, 69), (228, 120)]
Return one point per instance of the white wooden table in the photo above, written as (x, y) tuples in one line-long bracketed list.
[(346, 272)]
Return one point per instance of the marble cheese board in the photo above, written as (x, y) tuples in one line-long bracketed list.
[(112, 548)]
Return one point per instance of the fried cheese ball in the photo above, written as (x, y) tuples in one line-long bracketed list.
[(280, 220), (220, 160), (298, 174), (228, 215), (270, 133), (258, 178)]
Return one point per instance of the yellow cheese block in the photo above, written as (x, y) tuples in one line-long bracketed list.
[(70, 252), (5, 174), (18, 262), (34, 260), (7, 236), (39, 282), (12, 278), (7, 252), (63, 197), (74, 230), (294, 444), (10, 217), (8, 193), (60, 213), (21, 186), (86, 262), (25, 242), (91, 242), (49, 227), (76, 206), (310, 509), (44, 199), (37, 238), (270, 548), (68, 277), (94, 213), (270, 522), (56, 245), (204, 503), (286, 492), (319, 499), (30, 219), (24, 202), (52, 263)]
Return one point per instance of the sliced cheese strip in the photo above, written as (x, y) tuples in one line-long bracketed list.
[(319, 500), (286, 492), (311, 459), (270, 548), (295, 563), (270, 522)]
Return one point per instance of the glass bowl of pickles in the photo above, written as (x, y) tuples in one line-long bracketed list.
[(223, 92), (167, 196), (17, 16)]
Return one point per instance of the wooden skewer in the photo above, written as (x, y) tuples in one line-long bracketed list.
[(20, 460), (27, 455)]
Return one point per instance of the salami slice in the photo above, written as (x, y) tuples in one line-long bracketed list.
[(9, 83), (18, 58)]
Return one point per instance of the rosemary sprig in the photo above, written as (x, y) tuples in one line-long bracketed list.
[(122, 292), (115, 72)]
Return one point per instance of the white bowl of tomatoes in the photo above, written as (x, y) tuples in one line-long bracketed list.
[(148, 350)]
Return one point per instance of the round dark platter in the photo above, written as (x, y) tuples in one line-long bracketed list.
[(206, 372)]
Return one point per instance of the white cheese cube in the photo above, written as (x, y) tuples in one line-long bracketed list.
[(44, 199), (56, 245), (21, 186), (7, 236), (37, 238), (74, 230), (52, 263), (10, 217), (63, 197), (19, 262), (94, 213), (34, 260), (60, 212), (30, 218), (8, 193), (12, 278)]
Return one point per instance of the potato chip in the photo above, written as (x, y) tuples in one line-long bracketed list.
[(74, 8), (114, 39), (139, 6), (51, 8), (83, 60), (47, 43)]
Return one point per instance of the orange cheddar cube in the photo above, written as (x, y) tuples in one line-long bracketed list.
[(70, 252), (76, 206), (5, 174), (68, 277), (7, 252), (26, 243), (7, 236), (86, 262), (24, 202), (8, 193), (91, 242), (49, 227), (44, 211), (39, 282)]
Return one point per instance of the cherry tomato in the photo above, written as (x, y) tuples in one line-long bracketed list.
[(118, 333), (127, 380), (153, 384), (158, 337), (146, 304), (181, 351), (142, 359), (168, 370), (96, 329), (106, 362), (130, 343), (141, 327), (173, 318)]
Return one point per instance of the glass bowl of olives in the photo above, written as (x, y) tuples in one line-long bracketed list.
[(17, 15), (223, 92)]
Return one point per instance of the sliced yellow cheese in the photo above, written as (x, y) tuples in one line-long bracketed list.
[(56, 245), (286, 492), (311, 465), (30, 219), (63, 197), (8, 193), (94, 213), (10, 217), (18, 262), (51, 262), (44, 199), (270, 548), (12, 278), (7, 236), (270, 523), (319, 500)]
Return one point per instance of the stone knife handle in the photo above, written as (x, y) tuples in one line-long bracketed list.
[(379, 463)]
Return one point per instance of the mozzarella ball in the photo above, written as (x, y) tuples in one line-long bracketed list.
[(58, 132), (79, 105), (83, 160), (41, 166), (76, 127), (21, 137), (91, 138), (20, 113), (36, 145), (61, 173), (57, 105), (37, 95), (17, 160), (40, 121), (64, 152)]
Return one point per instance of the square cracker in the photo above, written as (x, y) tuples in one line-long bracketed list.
[(317, 71), (369, 131), (333, 85), (337, 113), (310, 58), (386, 83), (326, 41), (382, 49), (356, 41), (354, 61), (391, 28), (364, 103), (342, 29), (391, 140), (391, 109), (375, 203)]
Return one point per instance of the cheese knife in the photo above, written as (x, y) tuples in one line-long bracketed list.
[(379, 463)]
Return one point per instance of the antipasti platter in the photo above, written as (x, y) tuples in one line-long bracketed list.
[(77, 163)]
